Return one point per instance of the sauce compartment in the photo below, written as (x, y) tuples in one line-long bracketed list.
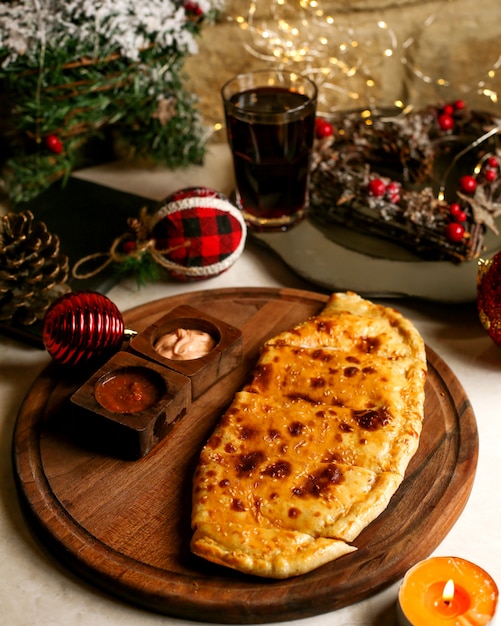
[(131, 403), (203, 371), (131, 389)]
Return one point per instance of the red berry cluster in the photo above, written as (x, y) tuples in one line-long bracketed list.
[(468, 185), (323, 128), (446, 116), (193, 8), (379, 189), (490, 169), (455, 228)]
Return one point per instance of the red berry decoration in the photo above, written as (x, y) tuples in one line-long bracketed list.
[(129, 246), (446, 122), (193, 8), (489, 297), (54, 144), (459, 105), (448, 109), (393, 192), (490, 175), (323, 128), (492, 162), (82, 327), (377, 187), (455, 232), (393, 187), (468, 184), (457, 212)]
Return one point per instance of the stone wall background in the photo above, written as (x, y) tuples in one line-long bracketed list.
[(455, 40)]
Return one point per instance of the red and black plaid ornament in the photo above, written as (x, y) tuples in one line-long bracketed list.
[(195, 233), (200, 230)]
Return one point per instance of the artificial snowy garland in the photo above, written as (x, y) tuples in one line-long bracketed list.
[(70, 70)]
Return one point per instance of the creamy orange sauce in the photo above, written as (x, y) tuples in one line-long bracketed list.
[(185, 344)]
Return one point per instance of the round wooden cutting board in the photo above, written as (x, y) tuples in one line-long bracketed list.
[(125, 525)]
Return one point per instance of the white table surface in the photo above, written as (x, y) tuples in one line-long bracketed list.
[(35, 590)]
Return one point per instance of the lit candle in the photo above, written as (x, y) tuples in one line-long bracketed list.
[(446, 591)]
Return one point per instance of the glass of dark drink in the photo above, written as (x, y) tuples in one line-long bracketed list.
[(270, 123)]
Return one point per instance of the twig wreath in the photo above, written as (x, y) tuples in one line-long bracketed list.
[(429, 180)]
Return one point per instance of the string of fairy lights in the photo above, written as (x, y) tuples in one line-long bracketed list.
[(309, 37)]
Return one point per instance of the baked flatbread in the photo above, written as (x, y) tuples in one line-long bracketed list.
[(312, 449)]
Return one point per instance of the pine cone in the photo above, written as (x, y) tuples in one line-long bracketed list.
[(33, 272)]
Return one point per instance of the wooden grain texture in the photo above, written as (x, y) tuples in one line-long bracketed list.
[(125, 526)]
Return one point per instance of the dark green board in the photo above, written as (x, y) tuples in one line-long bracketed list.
[(87, 218)]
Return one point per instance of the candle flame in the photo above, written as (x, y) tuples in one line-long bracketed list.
[(448, 592)]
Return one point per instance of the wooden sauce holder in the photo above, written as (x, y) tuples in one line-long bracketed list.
[(204, 371), (132, 435)]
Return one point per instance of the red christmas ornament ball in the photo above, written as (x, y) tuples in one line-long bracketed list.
[(82, 327), (489, 296), (199, 231)]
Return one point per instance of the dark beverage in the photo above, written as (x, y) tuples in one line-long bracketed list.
[(270, 131)]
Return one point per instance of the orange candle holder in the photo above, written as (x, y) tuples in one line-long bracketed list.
[(446, 591)]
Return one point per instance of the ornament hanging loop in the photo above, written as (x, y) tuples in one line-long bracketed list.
[(110, 257), (114, 256)]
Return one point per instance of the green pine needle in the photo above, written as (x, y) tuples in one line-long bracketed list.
[(92, 107), (143, 268)]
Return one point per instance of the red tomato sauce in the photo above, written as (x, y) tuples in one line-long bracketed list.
[(129, 390)]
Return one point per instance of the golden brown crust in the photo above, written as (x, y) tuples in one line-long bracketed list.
[(350, 323), (266, 552), (316, 444)]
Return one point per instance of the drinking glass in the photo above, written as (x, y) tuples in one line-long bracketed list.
[(270, 125)]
